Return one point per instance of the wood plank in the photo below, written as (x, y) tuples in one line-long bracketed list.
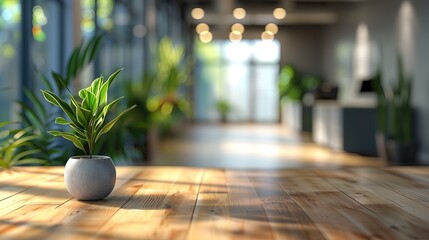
[(213, 181), (26, 222), (420, 174), (14, 181), (415, 190), (337, 215), (285, 216), (77, 219), (80, 219), (193, 203), (152, 213), (401, 222), (236, 215)]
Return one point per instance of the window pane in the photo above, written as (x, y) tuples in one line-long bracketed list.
[(237, 89), (265, 51), (266, 106), (10, 18), (208, 90), (45, 48), (237, 52)]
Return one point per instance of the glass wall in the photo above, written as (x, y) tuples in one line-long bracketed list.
[(131, 31), (242, 74), (46, 47), (10, 40)]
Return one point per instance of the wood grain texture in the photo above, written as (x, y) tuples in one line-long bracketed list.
[(201, 203)]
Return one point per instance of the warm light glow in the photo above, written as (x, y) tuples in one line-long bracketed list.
[(267, 36), (279, 13), (201, 28), (237, 27), (406, 30), (206, 37), (239, 13), (362, 53), (197, 13), (235, 36), (272, 27)]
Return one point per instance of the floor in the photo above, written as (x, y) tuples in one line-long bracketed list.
[(220, 204), (247, 146)]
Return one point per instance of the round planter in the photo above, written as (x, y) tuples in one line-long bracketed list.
[(90, 178)]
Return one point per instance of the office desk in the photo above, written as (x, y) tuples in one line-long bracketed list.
[(194, 203)]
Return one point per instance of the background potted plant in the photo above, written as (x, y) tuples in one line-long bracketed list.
[(394, 137), (292, 87), (400, 144), (223, 107), (160, 95), (38, 115), (88, 177), (381, 133), (12, 147)]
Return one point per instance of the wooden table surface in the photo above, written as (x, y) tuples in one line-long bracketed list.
[(193, 203)]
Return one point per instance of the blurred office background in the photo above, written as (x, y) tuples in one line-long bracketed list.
[(259, 84)]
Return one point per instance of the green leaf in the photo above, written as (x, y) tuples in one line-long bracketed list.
[(82, 93), (72, 138), (72, 65), (62, 121), (109, 106), (110, 124), (80, 133), (30, 161), (92, 102), (55, 100), (4, 134), (81, 113), (61, 82), (36, 102), (24, 140), (96, 85), (2, 124), (102, 114), (30, 114), (46, 82), (105, 87), (4, 164), (95, 47), (23, 154)]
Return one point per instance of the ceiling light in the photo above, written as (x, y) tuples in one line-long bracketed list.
[(206, 37), (272, 27), (235, 36), (267, 36), (279, 13), (237, 27), (239, 13), (201, 28), (197, 13)]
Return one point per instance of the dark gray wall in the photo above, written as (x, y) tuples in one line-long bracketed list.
[(301, 46)]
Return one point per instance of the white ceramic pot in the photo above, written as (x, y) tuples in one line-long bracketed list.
[(90, 178)]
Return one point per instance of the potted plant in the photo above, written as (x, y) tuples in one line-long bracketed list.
[(400, 145), (394, 137), (87, 177), (381, 111), (12, 147), (223, 107), (293, 87)]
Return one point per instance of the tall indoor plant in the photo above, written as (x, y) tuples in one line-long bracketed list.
[(88, 177)]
